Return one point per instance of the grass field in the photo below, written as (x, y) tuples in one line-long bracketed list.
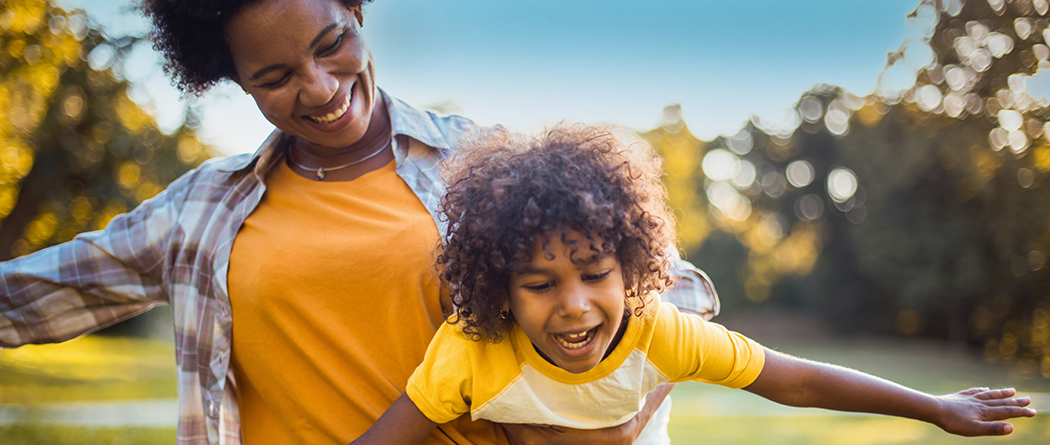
[(100, 368), (51, 434), (88, 369), (709, 414)]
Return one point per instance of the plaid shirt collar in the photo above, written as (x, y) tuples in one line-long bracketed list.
[(405, 120)]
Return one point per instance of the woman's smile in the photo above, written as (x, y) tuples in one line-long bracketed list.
[(334, 115)]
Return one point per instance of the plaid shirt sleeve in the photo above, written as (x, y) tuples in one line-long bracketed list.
[(93, 281), (693, 290)]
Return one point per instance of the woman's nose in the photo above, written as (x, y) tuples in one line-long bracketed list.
[(319, 86)]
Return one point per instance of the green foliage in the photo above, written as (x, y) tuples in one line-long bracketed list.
[(75, 149)]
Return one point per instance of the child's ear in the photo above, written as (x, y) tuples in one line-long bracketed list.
[(630, 282)]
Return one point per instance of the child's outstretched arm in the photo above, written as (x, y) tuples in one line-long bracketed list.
[(803, 383), (402, 423)]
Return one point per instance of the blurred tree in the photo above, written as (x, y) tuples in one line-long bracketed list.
[(959, 205), (681, 153), (923, 209), (75, 150)]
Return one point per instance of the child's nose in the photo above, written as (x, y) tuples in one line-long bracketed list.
[(575, 303)]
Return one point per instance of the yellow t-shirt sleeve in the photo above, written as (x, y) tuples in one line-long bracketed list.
[(441, 385), (685, 347)]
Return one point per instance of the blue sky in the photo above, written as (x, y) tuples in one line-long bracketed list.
[(527, 64)]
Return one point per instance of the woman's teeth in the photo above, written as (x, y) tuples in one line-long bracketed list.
[(575, 341), (335, 115)]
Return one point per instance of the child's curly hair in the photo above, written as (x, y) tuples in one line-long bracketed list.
[(505, 190)]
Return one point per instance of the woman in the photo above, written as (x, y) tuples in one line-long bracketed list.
[(320, 244)]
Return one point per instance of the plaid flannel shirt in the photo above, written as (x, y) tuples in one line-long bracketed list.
[(175, 249)]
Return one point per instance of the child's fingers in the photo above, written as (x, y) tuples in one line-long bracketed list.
[(989, 394), (972, 391), (1008, 412), (1000, 428), (988, 429), (1020, 401)]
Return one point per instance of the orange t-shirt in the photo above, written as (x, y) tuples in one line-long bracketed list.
[(335, 298)]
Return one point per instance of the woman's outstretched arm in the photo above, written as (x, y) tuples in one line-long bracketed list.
[(622, 434), (974, 412), (401, 424)]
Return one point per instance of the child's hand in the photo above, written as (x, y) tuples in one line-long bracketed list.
[(976, 411)]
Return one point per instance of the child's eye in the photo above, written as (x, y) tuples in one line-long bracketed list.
[(538, 287), (596, 276)]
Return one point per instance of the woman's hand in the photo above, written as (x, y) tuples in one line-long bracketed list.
[(979, 411), (523, 434)]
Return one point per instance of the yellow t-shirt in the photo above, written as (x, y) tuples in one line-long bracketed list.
[(510, 382), (335, 298)]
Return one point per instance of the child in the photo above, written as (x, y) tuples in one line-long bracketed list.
[(556, 249)]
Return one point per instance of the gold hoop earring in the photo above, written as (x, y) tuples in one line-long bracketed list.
[(503, 314)]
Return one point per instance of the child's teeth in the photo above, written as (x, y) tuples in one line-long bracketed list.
[(573, 341)]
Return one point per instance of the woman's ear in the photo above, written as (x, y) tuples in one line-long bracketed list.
[(357, 13)]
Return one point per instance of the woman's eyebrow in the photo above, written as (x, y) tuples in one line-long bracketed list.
[(313, 43), (324, 31)]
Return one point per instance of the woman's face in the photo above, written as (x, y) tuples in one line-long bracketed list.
[(307, 66)]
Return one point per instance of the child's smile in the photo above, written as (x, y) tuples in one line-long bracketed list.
[(570, 306)]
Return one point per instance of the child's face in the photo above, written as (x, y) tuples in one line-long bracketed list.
[(572, 313)]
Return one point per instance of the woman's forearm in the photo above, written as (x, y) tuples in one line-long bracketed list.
[(626, 433)]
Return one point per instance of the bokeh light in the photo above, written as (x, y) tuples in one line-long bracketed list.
[(800, 173), (745, 175), (740, 144), (720, 165), (809, 207), (842, 184)]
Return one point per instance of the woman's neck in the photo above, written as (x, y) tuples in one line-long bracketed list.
[(368, 154)]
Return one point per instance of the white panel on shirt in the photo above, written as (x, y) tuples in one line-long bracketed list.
[(608, 401)]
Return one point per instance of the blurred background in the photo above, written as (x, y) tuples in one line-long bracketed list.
[(865, 182)]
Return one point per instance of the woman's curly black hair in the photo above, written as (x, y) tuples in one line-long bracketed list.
[(505, 190), (192, 36)]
